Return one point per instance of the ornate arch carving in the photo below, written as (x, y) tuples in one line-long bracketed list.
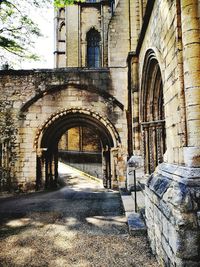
[(152, 116), (90, 115)]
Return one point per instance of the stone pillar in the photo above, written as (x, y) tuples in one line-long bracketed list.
[(113, 161), (72, 35), (191, 65), (135, 112)]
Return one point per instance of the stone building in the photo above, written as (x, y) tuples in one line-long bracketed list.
[(130, 71)]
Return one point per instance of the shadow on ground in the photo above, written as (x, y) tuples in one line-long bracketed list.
[(81, 224)]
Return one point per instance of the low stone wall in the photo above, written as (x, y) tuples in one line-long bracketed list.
[(173, 214), (94, 169), (88, 162)]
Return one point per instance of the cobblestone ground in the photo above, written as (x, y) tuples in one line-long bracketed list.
[(79, 225)]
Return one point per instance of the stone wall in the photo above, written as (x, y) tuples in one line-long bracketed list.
[(172, 192), (119, 36), (72, 34), (79, 19), (36, 95), (172, 215), (162, 37)]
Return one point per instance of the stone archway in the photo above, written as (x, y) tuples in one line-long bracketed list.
[(49, 134), (152, 113)]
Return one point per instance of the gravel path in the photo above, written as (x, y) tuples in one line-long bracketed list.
[(81, 225)]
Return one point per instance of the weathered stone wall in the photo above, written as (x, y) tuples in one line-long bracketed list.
[(72, 36), (90, 18), (172, 215), (79, 19), (119, 35), (60, 38), (36, 95), (162, 37), (172, 192), (135, 22)]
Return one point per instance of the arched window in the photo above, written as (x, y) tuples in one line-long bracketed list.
[(152, 113), (93, 49)]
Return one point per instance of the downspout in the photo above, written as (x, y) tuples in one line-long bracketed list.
[(129, 110), (102, 36), (129, 19), (79, 36), (181, 75), (141, 12)]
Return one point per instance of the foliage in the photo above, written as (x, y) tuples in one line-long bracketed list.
[(18, 29), (62, 3), (8, 139)]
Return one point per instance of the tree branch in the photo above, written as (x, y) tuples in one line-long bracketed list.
[(10, 30)]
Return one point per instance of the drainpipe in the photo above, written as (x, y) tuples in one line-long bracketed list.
[(129, 110), (181, 75), (129, 19), (141, 13)]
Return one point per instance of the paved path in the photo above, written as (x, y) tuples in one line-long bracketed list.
[(81, 224)]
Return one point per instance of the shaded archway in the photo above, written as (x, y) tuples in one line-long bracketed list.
[(50, 133), (152, 113)]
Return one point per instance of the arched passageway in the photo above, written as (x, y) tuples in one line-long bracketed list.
[(152, 113), (80, 147), (49, 136)]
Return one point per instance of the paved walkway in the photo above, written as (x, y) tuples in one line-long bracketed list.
[(81, 224)]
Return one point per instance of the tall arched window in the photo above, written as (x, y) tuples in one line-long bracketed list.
[(93, 49), (152, 113)]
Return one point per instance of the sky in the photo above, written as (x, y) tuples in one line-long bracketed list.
[(44, 46)]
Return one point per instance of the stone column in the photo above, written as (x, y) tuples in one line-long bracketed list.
[(191, 65), (72, 35), (135, 113)]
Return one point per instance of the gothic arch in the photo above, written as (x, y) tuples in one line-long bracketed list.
[(49, 134), (152, 115), (77, 113)]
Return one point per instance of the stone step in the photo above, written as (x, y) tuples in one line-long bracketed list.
[(136, 224)]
